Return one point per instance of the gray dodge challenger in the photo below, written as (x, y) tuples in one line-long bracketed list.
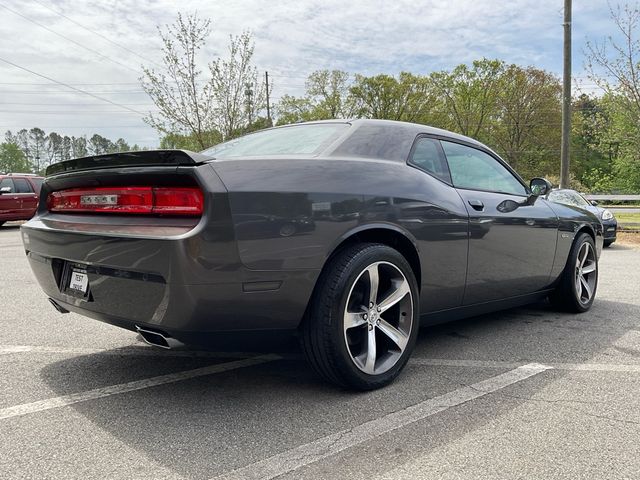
[(346, 234)]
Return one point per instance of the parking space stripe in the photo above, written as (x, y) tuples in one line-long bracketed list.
[(584, 367), (96, 393), (134, 351), (330, 445)]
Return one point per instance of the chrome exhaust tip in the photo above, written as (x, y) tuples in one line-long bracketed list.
[(57, 306), (158, 339)]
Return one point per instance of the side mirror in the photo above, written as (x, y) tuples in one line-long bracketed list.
[(594, 203), (5, 190), (540, 187)]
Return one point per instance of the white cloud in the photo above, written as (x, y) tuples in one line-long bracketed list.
[(292, 39)]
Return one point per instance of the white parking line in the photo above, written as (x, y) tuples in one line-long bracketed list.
[(332, 444), (133, 351), (584, 367), (96, 393)]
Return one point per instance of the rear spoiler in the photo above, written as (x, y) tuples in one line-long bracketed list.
[(143, 158)]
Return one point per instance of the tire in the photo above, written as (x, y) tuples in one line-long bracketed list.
[(607, 243), (576, 290), (361, 354), (287, 230)]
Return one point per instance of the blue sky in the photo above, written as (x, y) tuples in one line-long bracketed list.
[(292, 38)]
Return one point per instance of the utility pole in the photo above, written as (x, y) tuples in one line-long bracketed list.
[(566, 98), (266, 82)]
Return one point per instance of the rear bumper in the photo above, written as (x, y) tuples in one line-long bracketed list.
[(189, 285)]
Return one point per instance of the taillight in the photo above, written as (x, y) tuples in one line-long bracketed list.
[(129, 200)]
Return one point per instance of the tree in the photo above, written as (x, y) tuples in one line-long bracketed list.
[(614, 66), (53, 146), (199, 107), (36, 147), (237, 90), (121, 145), (66, 148), (184, 100), (327, 96), (470, 95), (99, 145), (524, 126), (12, 159), (407, 98), (79, 147), (291, 109), (185, 142)]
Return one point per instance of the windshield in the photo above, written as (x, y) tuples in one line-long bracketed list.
[(568, 198), (293, 140)]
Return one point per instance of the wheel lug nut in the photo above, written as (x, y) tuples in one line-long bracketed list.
[(371, 305), (379, 309), (370, 327), (365, 316)]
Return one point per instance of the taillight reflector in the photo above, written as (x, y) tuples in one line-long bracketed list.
[(129, 200)]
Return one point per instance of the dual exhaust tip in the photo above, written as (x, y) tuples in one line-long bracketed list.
[(158, 339), (152, 337)]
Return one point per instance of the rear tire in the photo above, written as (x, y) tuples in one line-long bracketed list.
[(362, 321), (576, 290)]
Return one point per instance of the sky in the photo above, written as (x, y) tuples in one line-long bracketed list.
[(292, 39)]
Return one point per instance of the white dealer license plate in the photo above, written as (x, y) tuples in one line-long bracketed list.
[(79, 281)]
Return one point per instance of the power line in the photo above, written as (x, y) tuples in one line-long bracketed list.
[(69, 86), (96, 33), (62, 112), (49, 92), (69, 39), (73, 104)]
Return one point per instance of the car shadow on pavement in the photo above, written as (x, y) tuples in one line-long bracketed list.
[(204, 426)]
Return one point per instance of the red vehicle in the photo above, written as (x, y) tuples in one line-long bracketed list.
[(19, 194)]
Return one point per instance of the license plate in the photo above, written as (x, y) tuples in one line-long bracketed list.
[(79, 281)]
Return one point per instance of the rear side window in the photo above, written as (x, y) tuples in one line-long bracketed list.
[(37, 182), (473, 169), (7, 182), (290, 140), (427, 155), (22, 185)]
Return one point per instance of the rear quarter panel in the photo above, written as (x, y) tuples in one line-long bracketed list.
[(290, 214)]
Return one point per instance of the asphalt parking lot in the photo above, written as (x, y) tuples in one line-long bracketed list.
[(527, 393)]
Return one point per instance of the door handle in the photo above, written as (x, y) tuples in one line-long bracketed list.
[(476, 205)]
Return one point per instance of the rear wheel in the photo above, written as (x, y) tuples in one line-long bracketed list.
[(579, 280), (362, 322)]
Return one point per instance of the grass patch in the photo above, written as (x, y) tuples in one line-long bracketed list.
[(624, 218)]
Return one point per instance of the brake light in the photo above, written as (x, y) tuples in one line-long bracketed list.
[(129, 200)]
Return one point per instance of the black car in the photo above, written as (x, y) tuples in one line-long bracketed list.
[(394, 225), (571, 197)]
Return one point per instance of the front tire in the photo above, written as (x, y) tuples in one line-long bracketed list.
[(576, 290), (362, 321)]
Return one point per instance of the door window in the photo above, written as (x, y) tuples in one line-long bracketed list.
[(476, 170), (7, 182), (22, 186), (427, 156)]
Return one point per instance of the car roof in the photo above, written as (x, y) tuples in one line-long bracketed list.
[(30, 175), (415, 128)]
